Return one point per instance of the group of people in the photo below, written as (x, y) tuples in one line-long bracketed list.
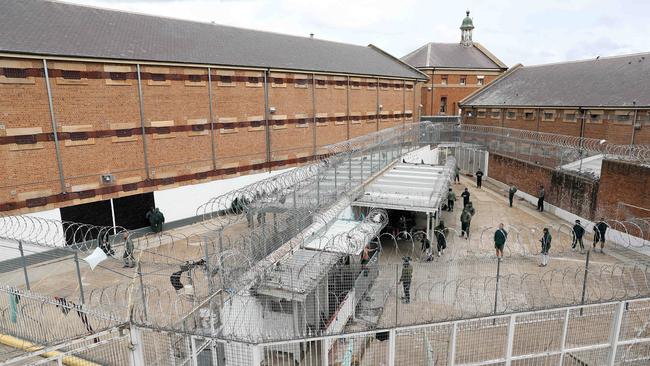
[(156, 219), (578, 232)]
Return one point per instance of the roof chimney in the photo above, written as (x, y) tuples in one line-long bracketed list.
[(311, 35)]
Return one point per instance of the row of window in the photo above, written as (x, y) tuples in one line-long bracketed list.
[(17, 73), (567, 116), (462, 80)]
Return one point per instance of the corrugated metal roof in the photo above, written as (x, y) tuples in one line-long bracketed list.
[(453, 55), (60, 29), (298, 274), (605, 82)]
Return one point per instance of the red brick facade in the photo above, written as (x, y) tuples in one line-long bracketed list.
[(623, 192), (451, 86), (97, 109), (615, 126)]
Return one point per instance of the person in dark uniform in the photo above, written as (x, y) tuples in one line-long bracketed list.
[(466, 220), (546, 246), (465, 196), (540, 199), (451, 198), (456, 174), (578, 233), (129, 261), (405, 279), (479, 178), (511, 193), (500, 237), (440, 232), (600, 228)]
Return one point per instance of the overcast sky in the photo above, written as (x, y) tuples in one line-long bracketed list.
[(516, 31)]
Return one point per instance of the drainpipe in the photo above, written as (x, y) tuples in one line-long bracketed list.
[(347, 107), (403, 101), (432, 89), (55, 131), (636, 112), (313, 111), (142, 122), (212, 141), (377, 107), (266, 118)]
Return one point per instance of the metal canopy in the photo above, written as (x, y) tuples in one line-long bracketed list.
[(413, 187)]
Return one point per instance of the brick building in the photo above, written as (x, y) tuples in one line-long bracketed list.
[(455, 70), (603, 98), (98, 104)]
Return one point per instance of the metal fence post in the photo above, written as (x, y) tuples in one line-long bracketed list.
[(396, 291), (318, 188), (144, 302), (451, 355), (336, 190), (615, 332), (584, 281), (392, 334), (136, 350), (511, 337), (22, 257), (565, 330), (324, 353), (81, 285), (496, 290)]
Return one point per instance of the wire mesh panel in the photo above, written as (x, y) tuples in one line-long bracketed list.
[(588, 357), (635, 354), (481, 340), (552, 360), (590, 325), (636, 319), (538, 332), (424, 346)]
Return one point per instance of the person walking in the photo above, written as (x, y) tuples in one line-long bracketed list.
[(479, 178), (129, 261), (405, 279), (600, 228), (500, 237), (456, 174), (451, 198), (578, 233), (466, 220), (440, 232), (540, 199), (546, 246), (511, 193), (465, 196)]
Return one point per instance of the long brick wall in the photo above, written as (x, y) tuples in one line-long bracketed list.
[(105, 124), (624, 191), (567, 191)]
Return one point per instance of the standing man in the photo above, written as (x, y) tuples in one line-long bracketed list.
[(160, 219), (540, 199), (465, 196), (129, 261), (466, 220), (546, 246), (451, 198), (599, 233), (479, 178), (456, 174), (578, 232), (500, 237), (511, 193), (440, 232), (405, 279)]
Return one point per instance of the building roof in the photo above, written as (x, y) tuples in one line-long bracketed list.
[(453, 55), (52, 28), (616, 81)]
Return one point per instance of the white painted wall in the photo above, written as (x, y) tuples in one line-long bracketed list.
[(424, 153), (182, 202)]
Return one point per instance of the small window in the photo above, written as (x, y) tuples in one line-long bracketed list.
[(14, 73), (78, 136), (302, 121), (372, 85), (444, 79), (623, 118), (409, 86), (570, 117), (253, 80), (301, 82), (278, 81), (321, 119), (321, 82), (594, 117), (356, 84), (496, 113), (356, 118), (158, 77), (549, 116), (480, 114), (384, 86), (120, 76), (71, 75), (340, 83), (408, 114), (463, 80), (256, 124), (443, 104), (529, 116), (511, 115), (25, 139), (198, 128), (229, 126), (279, 122), (194, 79), (340, 118), (226, 79), (398, 86), (480, 81), (163, 130)]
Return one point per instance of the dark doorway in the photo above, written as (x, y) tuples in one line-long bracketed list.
[(94, 213), (130, 211)]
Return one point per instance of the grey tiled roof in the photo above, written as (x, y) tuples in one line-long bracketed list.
[(59, 29), (606, 82), (450, 55)]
